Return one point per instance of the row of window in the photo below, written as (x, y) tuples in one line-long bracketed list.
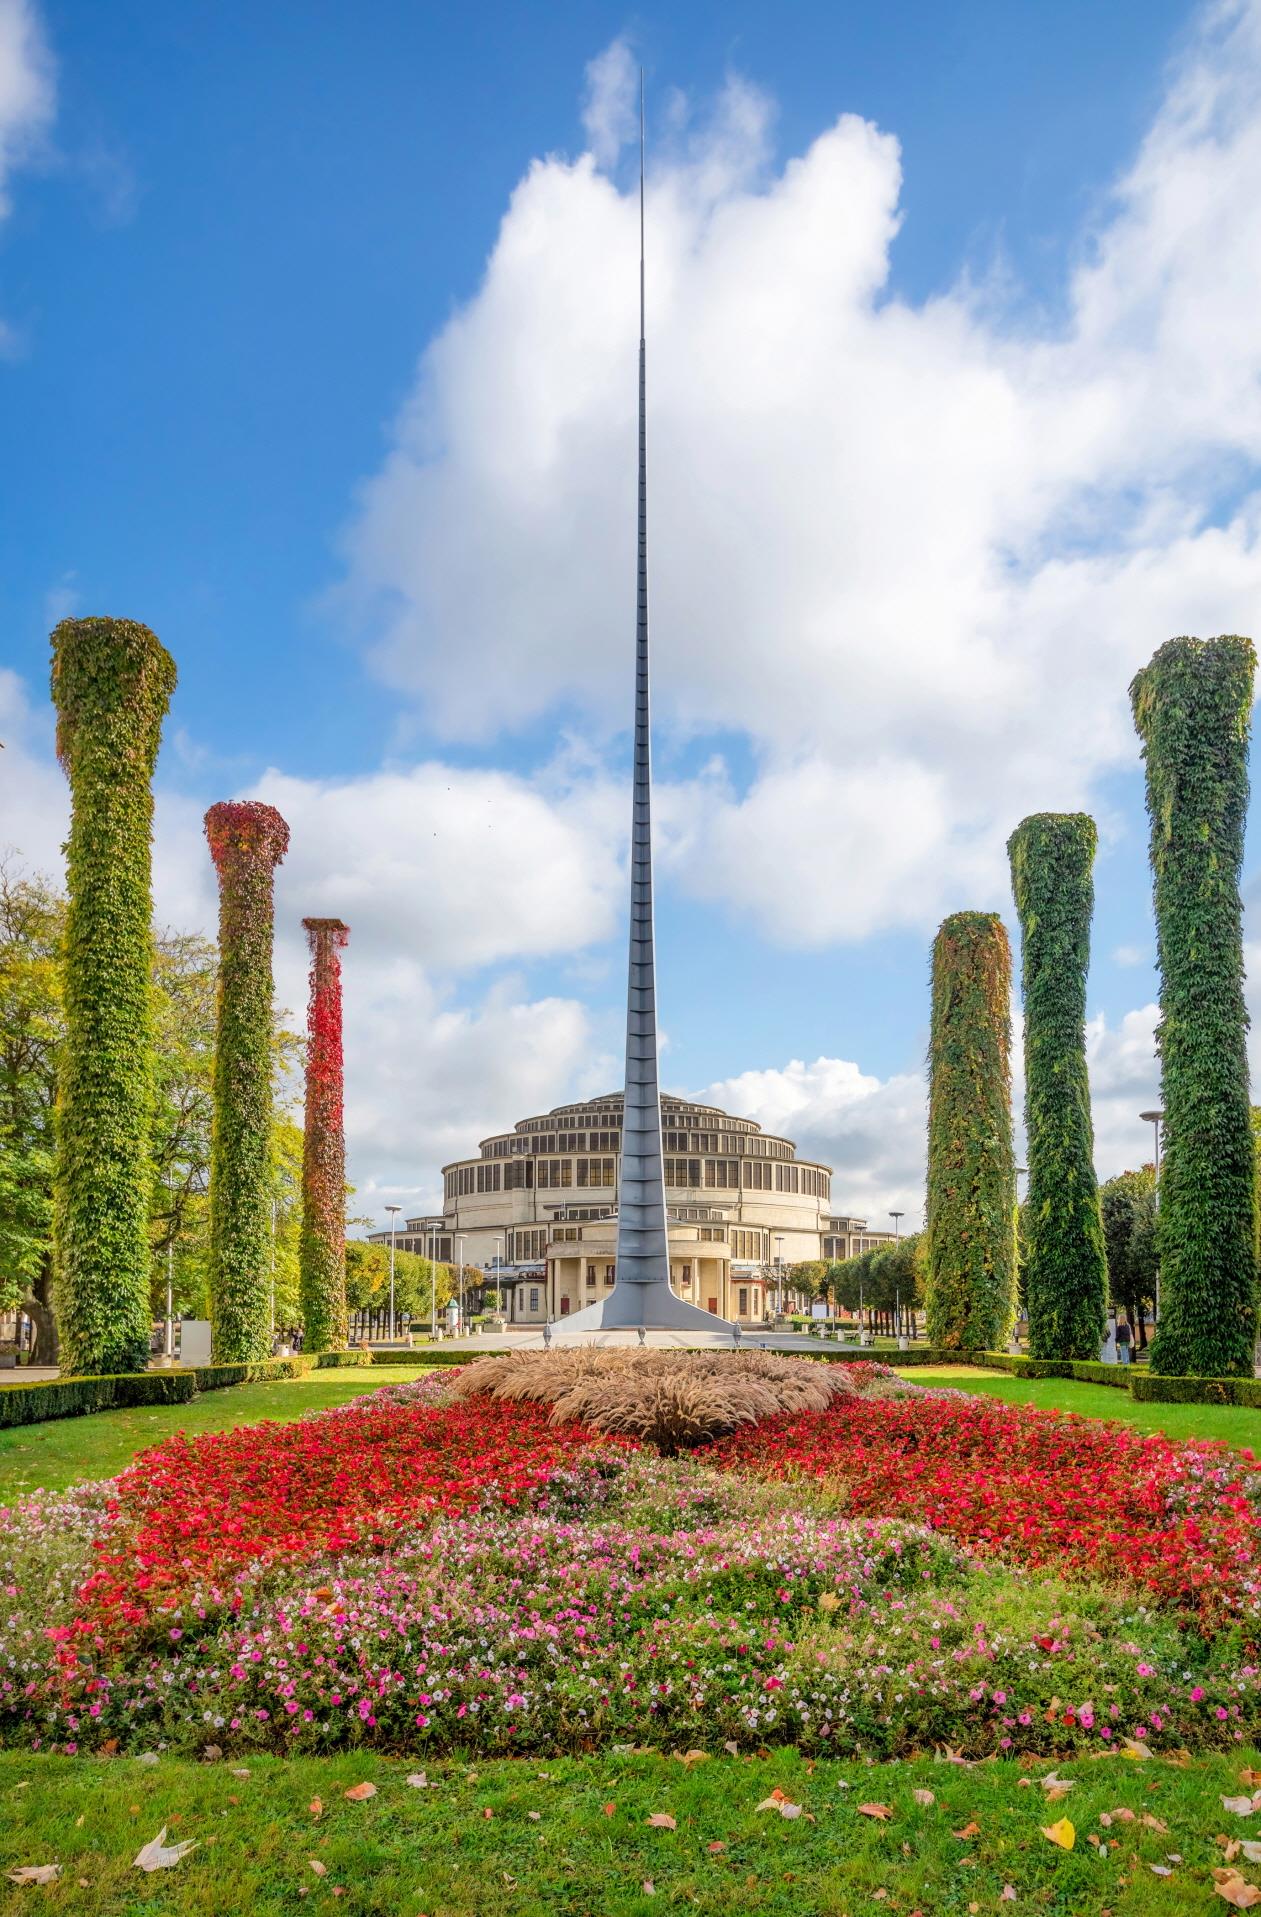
[(526, 1244), (732, 1144), (753, 1245), (713, 1174)]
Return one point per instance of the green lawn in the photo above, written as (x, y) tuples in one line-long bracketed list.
[(1236, 1424), (77, 1450), (524, 1838)]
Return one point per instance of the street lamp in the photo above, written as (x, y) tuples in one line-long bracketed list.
[(1156, 1121), (499, 1259), (273, 1272), (897, 1217), (394, 1212), (170, 1260), (459, 1259), (779, 1261), (431, 1239)]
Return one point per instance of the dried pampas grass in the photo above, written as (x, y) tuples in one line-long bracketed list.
[(675, 1400)]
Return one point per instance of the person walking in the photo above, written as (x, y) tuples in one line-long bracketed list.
[(1123, 1341)]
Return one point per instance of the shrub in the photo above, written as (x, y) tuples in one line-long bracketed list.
[(1066, 1274), (71, 1397), (322, 1249), (111, 684), (1152, 1388), (971, 1280), (247, 841), (1192, 708)]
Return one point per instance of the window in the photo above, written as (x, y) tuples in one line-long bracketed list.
[(534, 1297), (597, 1171), (608, 1274), (590, 1274), (757, 1177), (744, 1301)]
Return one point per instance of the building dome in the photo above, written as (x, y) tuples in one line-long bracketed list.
[(537, 1209)]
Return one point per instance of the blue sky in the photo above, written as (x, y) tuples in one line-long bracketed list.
[(261, 391)]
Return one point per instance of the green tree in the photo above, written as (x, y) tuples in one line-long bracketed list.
[(1128, 1205), (111, 684), (1065, 1271), (1192, 709), (971, 1277), (415, 1279), (32, 926)]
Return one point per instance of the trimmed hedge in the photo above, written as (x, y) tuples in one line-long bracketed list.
[(1150, 1388), (1192, 709), (431, 1355), (71, 1397)]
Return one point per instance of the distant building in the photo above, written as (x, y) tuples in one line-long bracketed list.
[(538, 1209)]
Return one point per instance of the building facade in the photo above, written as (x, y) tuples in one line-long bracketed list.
[(537, 1209)]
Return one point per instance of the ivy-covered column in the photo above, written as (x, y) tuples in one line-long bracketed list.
[(112, 682), (970, 1292), (322, 1254), (1066, 1271), (247, 841), (1193, 708)]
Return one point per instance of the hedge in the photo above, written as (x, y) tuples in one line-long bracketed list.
[(1066, 1273), (970, 1286), (71, 1397), (111, 684), (1151, 1388), (1192, 709)]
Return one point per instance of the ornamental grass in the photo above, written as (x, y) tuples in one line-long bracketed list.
[(673, 1400)]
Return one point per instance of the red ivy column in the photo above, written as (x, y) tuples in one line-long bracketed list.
[(323, 1247), (247, 842)]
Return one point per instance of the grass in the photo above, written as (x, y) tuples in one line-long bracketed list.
[(79, 1450), (524, 1838), (1235, 1424)]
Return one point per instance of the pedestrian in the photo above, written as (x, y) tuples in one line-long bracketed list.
[(1123, 1341)]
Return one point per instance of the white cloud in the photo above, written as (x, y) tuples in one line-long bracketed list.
[(610, 108), (27, 92), (913, 552), (1128, 955)]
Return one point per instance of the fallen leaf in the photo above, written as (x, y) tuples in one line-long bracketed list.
[(534, 1816), (1160, 1870), (781, 1802), (1135, 1749), (881, 1811), (211, 1754), (418, 1781), (1153, 1823), (358, 1792), (1231, 1886), (78, 1822), (715, 1847), (1123, 1816), (158, 1855), (240, 1770), (608, 1809), (321, 1870), (662, 1820), (1061, 1833), (1241, 1806), (1056, 1785), (733, 1748), (690, 1757), (35, 1874), (1105, 1818), (316, 1806), (648, 1887), (1252, 1851), (946, 1756), (487, 1813), (1250, 1777), (147, 1757), (925, 1798), (968, 1831), (1007, 1895)]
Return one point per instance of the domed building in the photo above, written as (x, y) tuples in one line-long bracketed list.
[(537, 1210)]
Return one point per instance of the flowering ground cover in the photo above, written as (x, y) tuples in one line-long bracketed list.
[(1180, 1522), (413, 1574)]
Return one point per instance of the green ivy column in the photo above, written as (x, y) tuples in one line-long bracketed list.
[(970, 1291), (1192, 708), (1066, 1271), (247, 841), (112, 682), (322, 1247)]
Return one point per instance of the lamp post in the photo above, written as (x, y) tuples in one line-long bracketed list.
[(1156, 1121), (272, 1311), (499, 1259), (779, 1269), (897, 1217), (431, 1239), (394, 1212), (459, 1259), (169, 1340)]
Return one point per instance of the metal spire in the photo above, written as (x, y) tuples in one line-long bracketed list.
[(641, 1293)]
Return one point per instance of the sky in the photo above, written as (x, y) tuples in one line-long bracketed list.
[(318, 355)]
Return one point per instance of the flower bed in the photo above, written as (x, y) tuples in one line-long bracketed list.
[(418, 1573), (1069, 1494)]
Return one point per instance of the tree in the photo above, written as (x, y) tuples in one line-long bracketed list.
[(111, 683), (1192, 709), (247, 841), (32, 926), (1065, 1273), (1128, 1206), (323, 1246), (368, 1280), (971, 1276)]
